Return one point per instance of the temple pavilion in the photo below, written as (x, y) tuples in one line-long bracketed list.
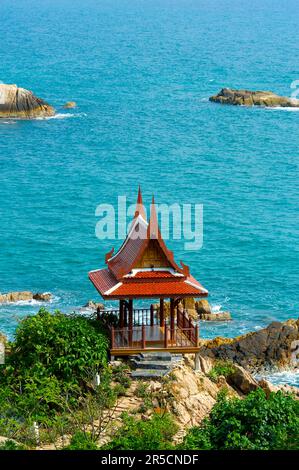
[(144, 268)]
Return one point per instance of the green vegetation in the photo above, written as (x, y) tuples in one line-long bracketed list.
[(11, 445), (48, 377), (81, 441), (254, 423), (224, 368), (155, 433)]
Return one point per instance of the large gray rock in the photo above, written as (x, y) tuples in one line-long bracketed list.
[(253, 98), (273, 346), (20, 103), (242, 380)]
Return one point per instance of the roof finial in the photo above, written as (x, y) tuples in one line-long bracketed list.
[(140, 210)]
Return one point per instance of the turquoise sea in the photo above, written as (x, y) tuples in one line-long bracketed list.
[(141, 72)]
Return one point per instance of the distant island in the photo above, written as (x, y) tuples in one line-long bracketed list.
[(253, 98)]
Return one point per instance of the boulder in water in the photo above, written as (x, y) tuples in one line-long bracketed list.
[(253, 98), (19, 103), (70, 105), (24, 296)]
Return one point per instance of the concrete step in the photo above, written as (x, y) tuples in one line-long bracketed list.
[(151, 364), (158, 356), (148, 374)]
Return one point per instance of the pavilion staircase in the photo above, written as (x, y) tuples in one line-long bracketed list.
[(153, 365)]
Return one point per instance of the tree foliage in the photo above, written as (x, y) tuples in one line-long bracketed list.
[(155, 433), (254, 423)]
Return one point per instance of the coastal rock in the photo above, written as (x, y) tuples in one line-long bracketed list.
[(219, 316), (70, 105), (17, 102), (42, 296), (24, 296), (242, 380), (272, 346), (94, 305), (267, 387), (189, 306), (253, 98), (203, 307)]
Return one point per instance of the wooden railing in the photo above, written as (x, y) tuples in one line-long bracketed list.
[(187, 327), (122, 338), (141, 316), (182, 335)]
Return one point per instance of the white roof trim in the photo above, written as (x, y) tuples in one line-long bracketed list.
[(109, 291), (97, 270), (138, 270), (197, 287), (138, 219)]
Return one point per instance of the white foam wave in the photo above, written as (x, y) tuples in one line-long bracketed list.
[(216, 308), (286, 108), (61, 116), (284, 377)]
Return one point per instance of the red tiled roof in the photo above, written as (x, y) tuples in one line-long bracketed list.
[(156, 289), (124, 259), (152, 275), (103, 280)]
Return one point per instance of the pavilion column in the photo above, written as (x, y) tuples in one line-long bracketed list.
[(130, 321), (121, 313), (161, 312), (172, 318), (125, 314)]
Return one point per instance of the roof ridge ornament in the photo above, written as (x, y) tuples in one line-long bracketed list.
[(140, 209)]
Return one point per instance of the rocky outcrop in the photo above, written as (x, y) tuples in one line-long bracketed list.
[(270, 388), (194, 395), (203, 307), (25, 296), (20, 103), (204, 312), (242, 380), (271, 347), (94, 305), (70, 105), (253, 98), (219, 316)]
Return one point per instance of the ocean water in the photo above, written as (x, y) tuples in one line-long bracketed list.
[(141, 72)]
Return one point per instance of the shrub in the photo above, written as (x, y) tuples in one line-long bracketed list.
[(66, 346), (224, 368), (255, 423), (81, 441), (120, 375), (142, 390), (153, 434), (48, 372), (11, 445)]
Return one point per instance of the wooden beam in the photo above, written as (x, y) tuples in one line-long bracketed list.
[(165, 335), (143, 337), (161, 312), (121, 313), (130, 321), (172, 318), (152, 314)]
